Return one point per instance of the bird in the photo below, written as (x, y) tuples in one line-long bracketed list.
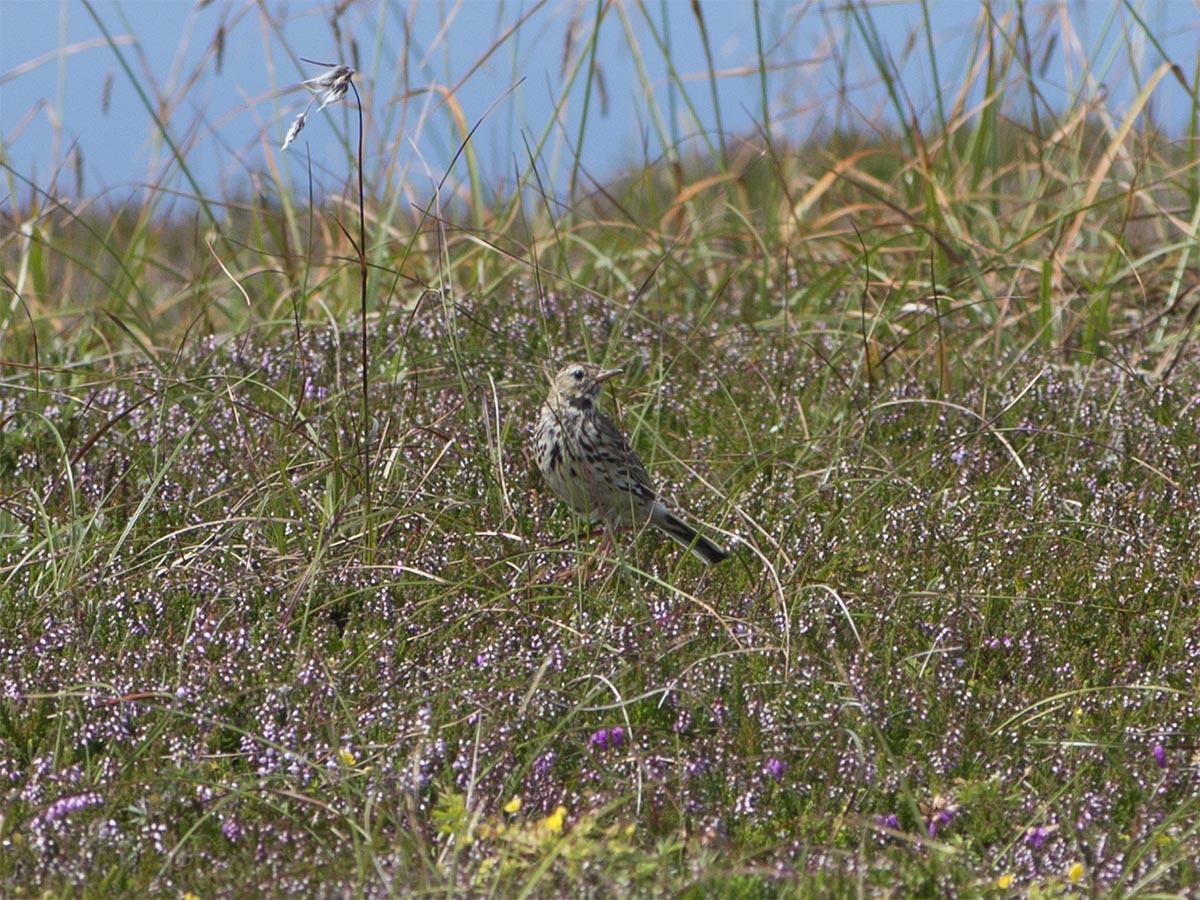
[(590, 465)]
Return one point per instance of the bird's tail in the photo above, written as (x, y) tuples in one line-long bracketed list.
[(685, 534)]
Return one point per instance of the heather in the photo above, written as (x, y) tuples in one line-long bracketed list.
[(285, 608)]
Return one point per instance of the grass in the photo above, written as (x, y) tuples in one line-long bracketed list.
[(934, 383)]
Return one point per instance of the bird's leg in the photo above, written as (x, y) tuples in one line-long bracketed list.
[(605, 545), (600, 551), (605, 541)]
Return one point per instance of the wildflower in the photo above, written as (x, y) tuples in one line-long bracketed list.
[(1036, 836), (1005, 881), (775, 768), (1160, 756), (346, 757), (938, 814), (888, 821), (544, 763), (607, 738), (939, 820), (1075, 872), (232, 829), (513, 805), (65, 806), (553, 823)]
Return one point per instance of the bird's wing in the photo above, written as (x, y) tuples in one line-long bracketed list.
[(640, 479)]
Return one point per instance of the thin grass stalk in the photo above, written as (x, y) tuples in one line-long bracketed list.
[(588, 83), (668, 138), (764, 97), (176, 152), (934, 73), (363, 271), (722, 149)]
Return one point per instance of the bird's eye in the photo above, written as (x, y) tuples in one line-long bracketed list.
[(577, 374)]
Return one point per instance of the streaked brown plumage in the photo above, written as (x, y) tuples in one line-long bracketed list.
[(589, 463)]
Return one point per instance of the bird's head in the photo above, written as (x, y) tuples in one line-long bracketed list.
[(580, 382)]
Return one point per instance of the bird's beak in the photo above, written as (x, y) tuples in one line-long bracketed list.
[(607, 374)]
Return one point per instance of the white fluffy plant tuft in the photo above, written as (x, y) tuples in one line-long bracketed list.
[(331, 86)]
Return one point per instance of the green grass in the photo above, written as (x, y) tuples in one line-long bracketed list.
[(935, 385)]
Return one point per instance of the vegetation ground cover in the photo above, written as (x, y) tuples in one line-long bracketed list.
[(264, 632)]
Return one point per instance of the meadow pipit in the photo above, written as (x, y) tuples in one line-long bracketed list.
[(590, 465)]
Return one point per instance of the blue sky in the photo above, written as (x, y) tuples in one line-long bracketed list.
[(63, 86)]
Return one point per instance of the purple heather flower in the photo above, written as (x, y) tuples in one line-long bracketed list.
[(543, 764), (888, 821), (1036, 836), (64, 806), (607, 738), (775, 768), (940, 819), (938, 814), (1160, 755), (232, 829)]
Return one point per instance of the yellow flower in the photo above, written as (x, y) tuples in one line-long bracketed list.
[(513, 805), (1075, 872), (553, 823), (1005, 881), (190, 896), (345, 757)]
